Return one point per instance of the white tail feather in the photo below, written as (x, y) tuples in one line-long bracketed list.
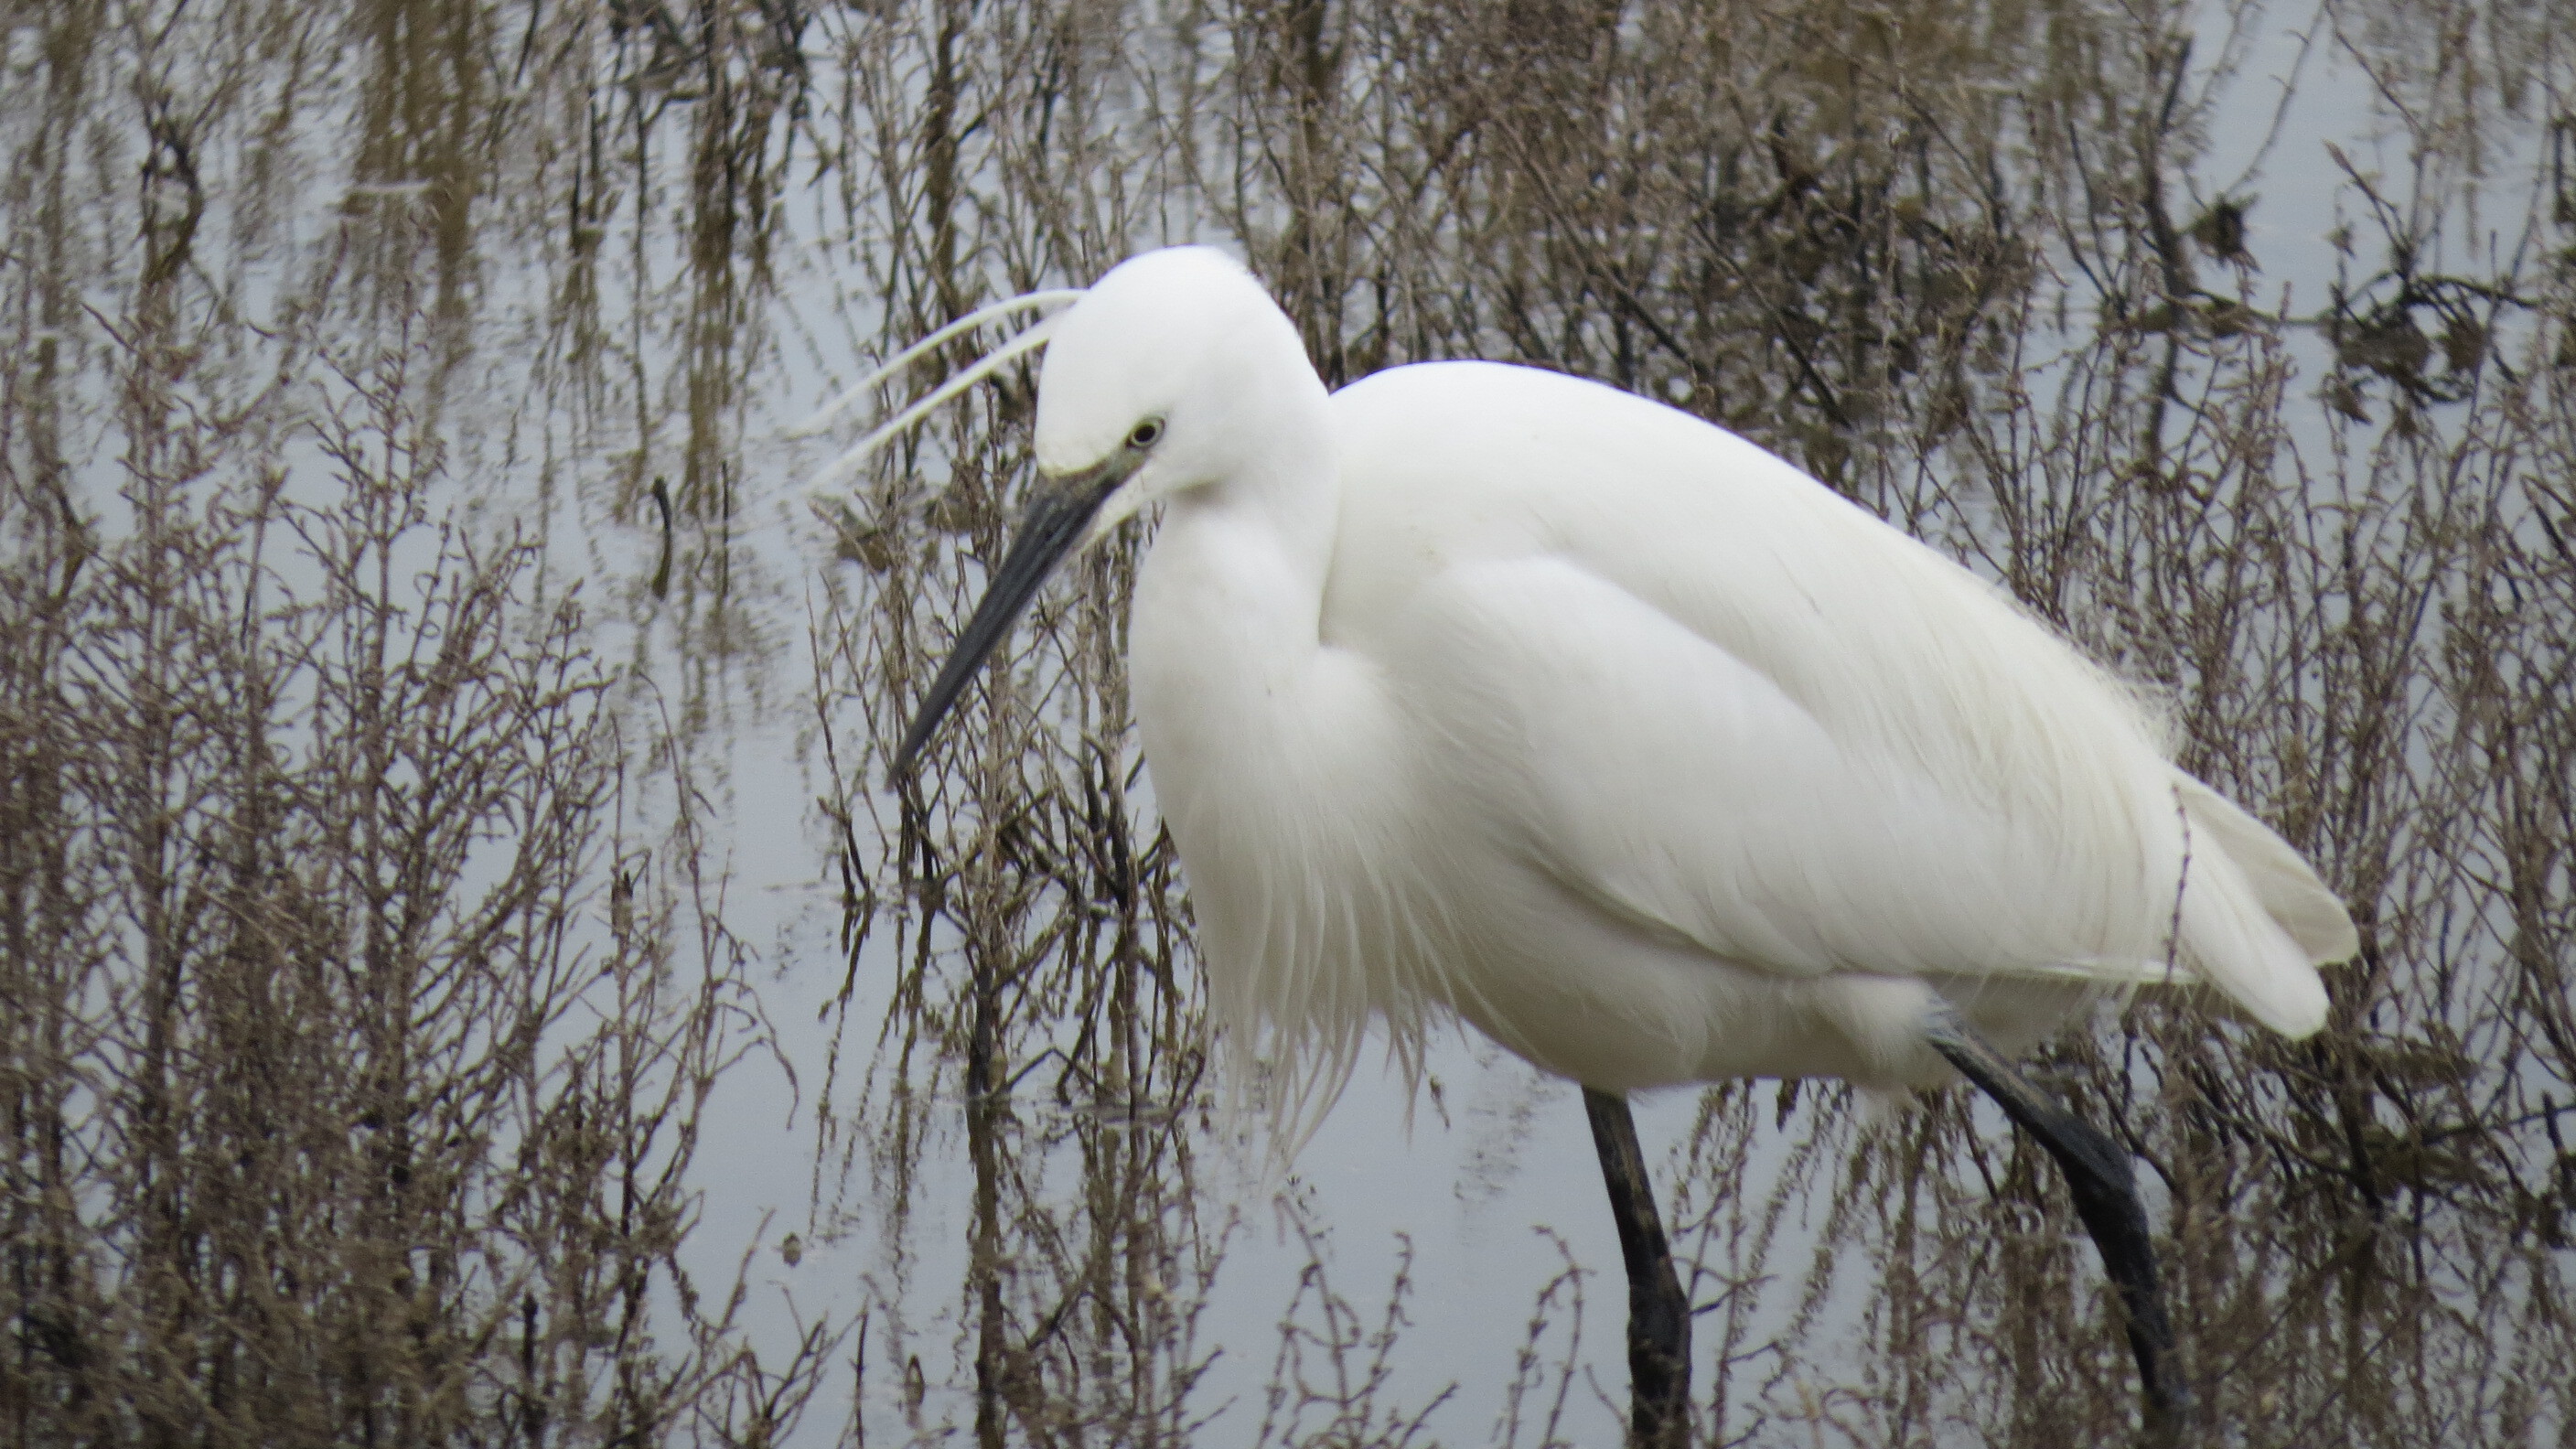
[(2282, 880)]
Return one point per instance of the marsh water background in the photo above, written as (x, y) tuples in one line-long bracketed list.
[(465, 979)]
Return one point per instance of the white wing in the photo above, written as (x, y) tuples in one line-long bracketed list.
[(1741, 712)]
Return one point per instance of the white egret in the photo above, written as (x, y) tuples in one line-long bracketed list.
[(1480, 689)]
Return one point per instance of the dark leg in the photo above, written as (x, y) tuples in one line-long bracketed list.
[(1659, 1317), (2106, 1198)]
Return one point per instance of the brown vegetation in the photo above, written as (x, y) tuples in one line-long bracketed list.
[(364, 968)]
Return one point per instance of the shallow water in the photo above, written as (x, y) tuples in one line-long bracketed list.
[(2232, 341)]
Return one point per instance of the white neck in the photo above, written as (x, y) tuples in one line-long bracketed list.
[(1250, 722), (1231, 595), (1276, 767)]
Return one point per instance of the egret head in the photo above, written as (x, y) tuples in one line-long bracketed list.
[(1152, 386), (1148, 379)]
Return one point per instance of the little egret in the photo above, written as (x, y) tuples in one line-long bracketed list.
[(1485, 690)]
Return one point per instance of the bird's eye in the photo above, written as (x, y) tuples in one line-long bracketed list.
[(1146, 435)]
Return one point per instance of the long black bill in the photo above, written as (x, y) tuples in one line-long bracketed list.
[(1055, 521)]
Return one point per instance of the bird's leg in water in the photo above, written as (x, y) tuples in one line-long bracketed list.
[(2104, 1185), (1659, 1317)]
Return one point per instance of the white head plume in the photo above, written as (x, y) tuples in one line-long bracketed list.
[(1020, 345)]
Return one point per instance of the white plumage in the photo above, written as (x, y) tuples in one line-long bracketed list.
[(1481, 688)]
